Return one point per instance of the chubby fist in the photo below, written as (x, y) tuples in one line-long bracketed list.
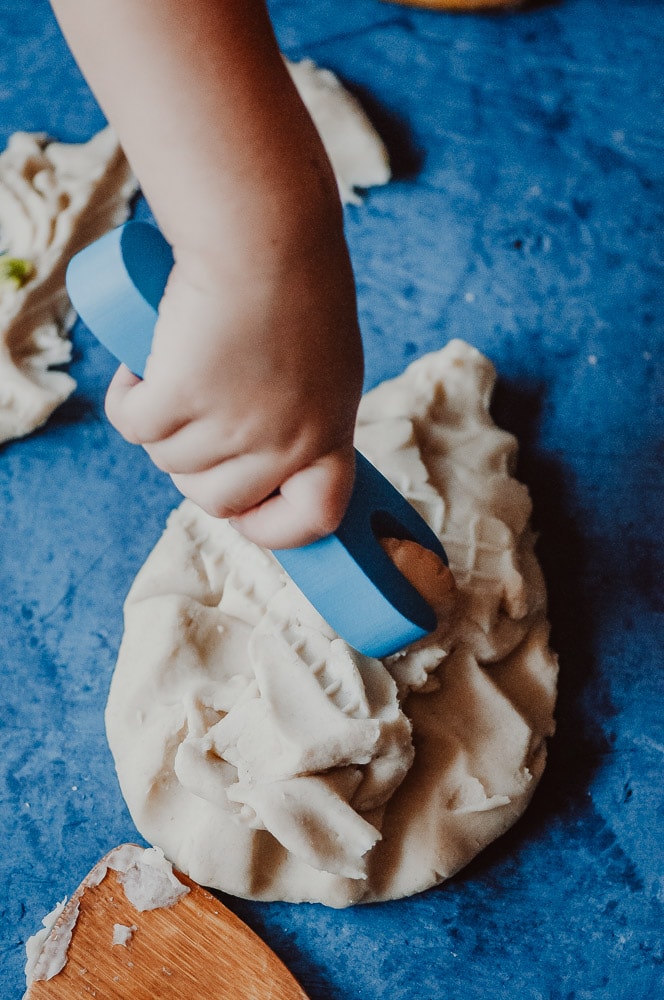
[(251, 390)]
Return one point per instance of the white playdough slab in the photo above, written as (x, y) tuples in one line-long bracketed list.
[(270, 760)]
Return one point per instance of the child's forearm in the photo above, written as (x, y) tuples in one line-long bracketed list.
[(210, 120), (254, 379)]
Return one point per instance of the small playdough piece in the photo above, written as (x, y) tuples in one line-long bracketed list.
[(54, 198), (269, 759)]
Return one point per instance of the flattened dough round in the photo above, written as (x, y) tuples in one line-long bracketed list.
[(268, 759)]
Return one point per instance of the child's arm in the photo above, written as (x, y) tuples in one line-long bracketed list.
[(256, 367)]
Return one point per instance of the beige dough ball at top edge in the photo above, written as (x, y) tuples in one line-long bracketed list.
[(427, 756)]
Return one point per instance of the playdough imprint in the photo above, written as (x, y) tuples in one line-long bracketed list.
[(269, 759)]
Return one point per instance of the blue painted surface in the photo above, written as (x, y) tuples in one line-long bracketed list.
[(525, 217)]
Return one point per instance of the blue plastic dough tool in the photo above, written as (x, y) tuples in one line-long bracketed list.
[(116, 285)]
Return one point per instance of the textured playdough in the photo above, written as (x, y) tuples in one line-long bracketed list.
[(55, 198), (270, 760)]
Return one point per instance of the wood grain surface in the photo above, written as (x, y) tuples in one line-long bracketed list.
[(194, 949)]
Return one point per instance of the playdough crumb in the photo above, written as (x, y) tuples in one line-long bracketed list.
[(122, 934)]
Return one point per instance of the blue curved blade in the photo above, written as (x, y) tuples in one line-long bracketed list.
[(116, 285)]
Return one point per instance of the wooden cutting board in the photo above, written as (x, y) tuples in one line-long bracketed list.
[(196, 948)]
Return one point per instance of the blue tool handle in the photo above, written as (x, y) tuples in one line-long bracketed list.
[(116, 285)]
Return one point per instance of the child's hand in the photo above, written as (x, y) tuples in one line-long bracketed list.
[(256, 369), (252, 387)]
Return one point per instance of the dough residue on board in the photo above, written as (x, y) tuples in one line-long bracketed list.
[(269, 759), (148, 882), (122, 934), (148, 879), (46, 950), (56, 198)]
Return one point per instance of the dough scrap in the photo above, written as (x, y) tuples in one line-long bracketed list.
[(55, 198), (269, 759), (46, 950)]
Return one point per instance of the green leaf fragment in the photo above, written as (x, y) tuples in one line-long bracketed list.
[(16, 270)]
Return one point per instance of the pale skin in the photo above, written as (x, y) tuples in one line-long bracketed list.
[(251, 391)]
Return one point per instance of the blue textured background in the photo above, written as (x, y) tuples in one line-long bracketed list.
[(526, 217)]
